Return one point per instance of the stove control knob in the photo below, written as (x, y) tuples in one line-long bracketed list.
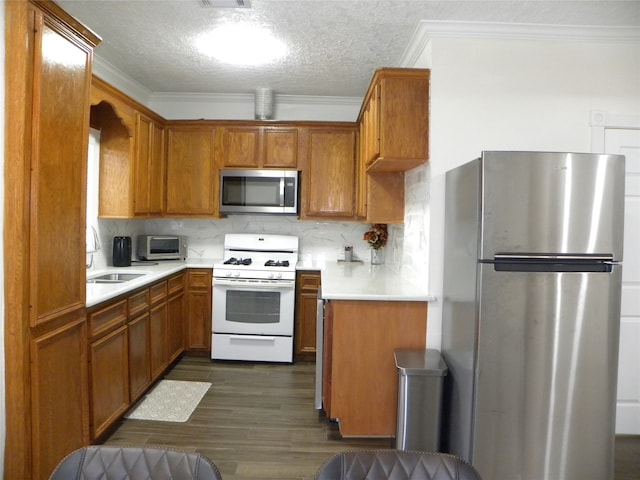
[(236, 274), (228, 273), (278, 275), (271, 275)]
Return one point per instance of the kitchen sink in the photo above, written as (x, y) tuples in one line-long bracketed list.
[(114, 277)]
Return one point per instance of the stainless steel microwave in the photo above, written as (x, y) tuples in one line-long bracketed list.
[(259, 191), (161, 247)]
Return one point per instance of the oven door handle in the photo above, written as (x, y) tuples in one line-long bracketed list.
[(280, 284)]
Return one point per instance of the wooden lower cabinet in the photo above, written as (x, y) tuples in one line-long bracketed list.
[(363, 380), (158, 344), (139, 355), (59, 396), (175, 317), (109, 374), (198, 310), (131, 342), (307, 284)]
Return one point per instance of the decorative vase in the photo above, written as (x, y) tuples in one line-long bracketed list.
[(377, 256)]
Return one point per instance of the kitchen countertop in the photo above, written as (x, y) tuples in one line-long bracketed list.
[(363, 281), (340, 280), (101, 292)]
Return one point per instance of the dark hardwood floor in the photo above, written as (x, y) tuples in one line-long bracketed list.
[(258, 422)]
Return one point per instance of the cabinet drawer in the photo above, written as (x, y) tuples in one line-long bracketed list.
[(138, 303), (176, 284), (199, 279), (158, 292), (309, 281), (106, 318)]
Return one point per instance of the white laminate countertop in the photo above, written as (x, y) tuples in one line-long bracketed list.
[(101, 292), (363, 281), (340, 280)]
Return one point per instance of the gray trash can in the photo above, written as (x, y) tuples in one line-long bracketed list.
[(420, 378)]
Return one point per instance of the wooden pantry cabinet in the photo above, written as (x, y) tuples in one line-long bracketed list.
[(48, 77), (257, 146), (192, 174), (132, 154)]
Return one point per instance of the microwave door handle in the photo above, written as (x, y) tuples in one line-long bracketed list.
[(282, 191)]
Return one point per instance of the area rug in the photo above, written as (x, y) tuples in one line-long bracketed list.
[(170, 401)]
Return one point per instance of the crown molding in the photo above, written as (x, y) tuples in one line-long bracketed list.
[(427, 30), (142, 94), (249, 98), (110, 74)]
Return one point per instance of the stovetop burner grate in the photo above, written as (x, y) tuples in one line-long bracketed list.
[(276, 263), (238, 261)]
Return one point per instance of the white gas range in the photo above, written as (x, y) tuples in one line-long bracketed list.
[(254, 298)]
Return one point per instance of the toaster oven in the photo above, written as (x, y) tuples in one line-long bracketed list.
[(161, 247)]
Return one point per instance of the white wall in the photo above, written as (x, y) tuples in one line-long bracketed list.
[(502, 94)]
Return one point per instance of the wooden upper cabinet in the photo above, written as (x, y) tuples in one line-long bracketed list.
[(149, 167), (280, 147), (58, 169), (330, 173), (395, 120), (132, 154), (245, 146), (192, 179), (240, 147)]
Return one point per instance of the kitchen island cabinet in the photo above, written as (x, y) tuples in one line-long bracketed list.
[(360, 375)]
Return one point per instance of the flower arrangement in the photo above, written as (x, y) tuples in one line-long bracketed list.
[(377, 235)]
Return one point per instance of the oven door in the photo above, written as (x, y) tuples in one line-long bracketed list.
[(253, 307)]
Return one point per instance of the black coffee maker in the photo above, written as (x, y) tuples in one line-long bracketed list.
[(121, 251)]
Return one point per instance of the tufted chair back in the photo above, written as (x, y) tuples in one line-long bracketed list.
[(395, 465), (106, 462)]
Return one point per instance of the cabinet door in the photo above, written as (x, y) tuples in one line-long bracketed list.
[(199, 309), (241, 147), (139, 355), (280, 147), (191, 176), (141, 163), (157, 169), (58, 173), (59, 396), (307, 284), (175, 336), (330, 176), (158, 340), (148, 167), (109, 379)]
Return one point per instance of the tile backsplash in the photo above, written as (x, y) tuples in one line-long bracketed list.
[(406, 249)]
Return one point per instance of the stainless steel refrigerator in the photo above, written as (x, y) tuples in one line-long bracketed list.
[(531, 311)]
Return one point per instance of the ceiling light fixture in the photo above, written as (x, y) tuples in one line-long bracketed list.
[(241, 44)]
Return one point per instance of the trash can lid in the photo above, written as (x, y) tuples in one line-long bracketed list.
[(426, 362)]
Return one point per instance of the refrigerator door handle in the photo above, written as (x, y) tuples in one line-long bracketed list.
[(515, 257)]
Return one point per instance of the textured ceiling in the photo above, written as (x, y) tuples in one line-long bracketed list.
[(334, 46)]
